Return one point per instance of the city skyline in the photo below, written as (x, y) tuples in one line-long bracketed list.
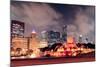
[(80, 20)]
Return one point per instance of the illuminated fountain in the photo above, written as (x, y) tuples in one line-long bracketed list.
[(69, 48)]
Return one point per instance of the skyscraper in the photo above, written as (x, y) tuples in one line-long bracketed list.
[(33, 34), (44, 35), (80, 38), (53, 37), (64, 33), (17, 28)]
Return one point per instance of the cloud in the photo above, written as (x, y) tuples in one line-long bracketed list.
[(37, 16), (83, 24), (41, 16)]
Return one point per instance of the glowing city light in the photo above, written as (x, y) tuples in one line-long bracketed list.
[(33, 31)]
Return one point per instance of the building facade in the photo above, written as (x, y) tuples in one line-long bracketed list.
[(17, 28)]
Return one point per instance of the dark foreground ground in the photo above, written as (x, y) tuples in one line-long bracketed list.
[(40, 61)]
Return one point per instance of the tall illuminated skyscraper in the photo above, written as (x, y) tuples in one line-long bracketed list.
[(17, 28), (64, 33), (44, 35), (80, 38), (33, 34)]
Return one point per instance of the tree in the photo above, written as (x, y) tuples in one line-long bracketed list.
[(18, 50)]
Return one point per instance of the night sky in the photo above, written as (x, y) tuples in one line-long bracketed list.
[(80, 19)]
